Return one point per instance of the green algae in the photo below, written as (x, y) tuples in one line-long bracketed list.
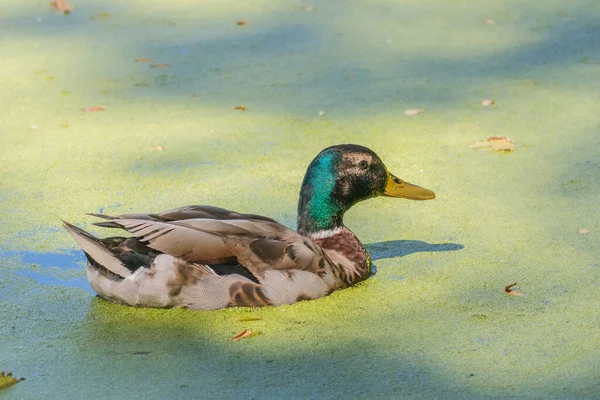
[(430, 323)]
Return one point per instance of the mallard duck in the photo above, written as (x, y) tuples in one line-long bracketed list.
[(206, 258)]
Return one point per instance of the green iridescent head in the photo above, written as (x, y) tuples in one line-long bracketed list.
[(341, 176)]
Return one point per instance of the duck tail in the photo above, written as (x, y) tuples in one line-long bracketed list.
[(97, 254)]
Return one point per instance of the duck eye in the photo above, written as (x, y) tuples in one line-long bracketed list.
[(363, 164)]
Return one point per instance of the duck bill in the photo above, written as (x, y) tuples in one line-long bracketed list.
[(396, 187)]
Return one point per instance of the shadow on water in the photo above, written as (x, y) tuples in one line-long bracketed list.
[(297, 361), (215, 64), (401, 248)]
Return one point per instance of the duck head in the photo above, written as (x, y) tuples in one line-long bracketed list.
[(341, 176)]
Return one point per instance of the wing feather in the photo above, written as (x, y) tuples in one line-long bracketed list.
[(179, 241)]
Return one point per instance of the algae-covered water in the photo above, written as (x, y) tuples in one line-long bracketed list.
[(435, 321)]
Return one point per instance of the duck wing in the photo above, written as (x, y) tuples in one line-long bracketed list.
[(257, 243)]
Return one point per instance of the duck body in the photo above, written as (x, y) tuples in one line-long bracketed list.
[(206, 258)]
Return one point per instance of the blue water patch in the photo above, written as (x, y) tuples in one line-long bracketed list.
[(64, 261), (54, 281), (73, 260)]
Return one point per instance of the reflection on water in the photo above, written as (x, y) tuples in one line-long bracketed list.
[(67, 262)]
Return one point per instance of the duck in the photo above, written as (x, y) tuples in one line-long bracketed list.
[(206, 258)]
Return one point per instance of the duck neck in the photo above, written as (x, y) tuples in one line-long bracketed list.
[(319, 209), (316, 217)]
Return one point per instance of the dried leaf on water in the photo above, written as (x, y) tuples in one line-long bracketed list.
[(487, 102), (501, 143), (62, 6), (242, 22), (583, 231), (92, 109), (249, 318), (495, 143), (508, 289), (143, 60), (241, 107), (489, 21), (413, 111), (244, 334), (160, 66), (8, 380)]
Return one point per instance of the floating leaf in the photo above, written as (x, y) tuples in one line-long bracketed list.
[(62, 6), (242, 22), (143, 60), (92, 109), (489, 21), (508, 289), (501, 143), (583, 231), (495, 143), (241, 107), (249, 318), (413, 111), (243, 334), (487, 102), (8, 380), (160, 66)]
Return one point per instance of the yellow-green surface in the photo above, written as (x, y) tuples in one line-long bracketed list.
[(434, 322)]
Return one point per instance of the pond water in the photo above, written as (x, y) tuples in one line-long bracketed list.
[(434, 321)]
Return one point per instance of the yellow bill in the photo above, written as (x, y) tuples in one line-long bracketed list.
[(396, 187)]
